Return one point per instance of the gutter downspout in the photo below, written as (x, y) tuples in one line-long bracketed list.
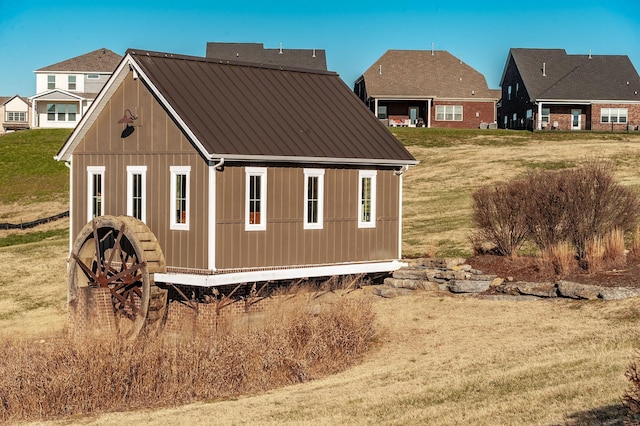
[(211, 243)]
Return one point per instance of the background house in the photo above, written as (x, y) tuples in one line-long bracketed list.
[(66, 89), (15, 112), (243, 172), (411, 87), (549, 89), (256, 53)]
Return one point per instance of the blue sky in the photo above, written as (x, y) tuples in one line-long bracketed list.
[(34, 34)]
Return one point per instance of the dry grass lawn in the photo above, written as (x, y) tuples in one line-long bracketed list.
[(447, 360)]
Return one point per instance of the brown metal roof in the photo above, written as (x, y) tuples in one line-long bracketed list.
[(425, 73), (100, 60), (259, 112)]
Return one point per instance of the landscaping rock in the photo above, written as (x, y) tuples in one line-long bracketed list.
[(577, 291), (618, 293), (414, 274), (537, 289), (467, 286), (390, 292), (496, 282)]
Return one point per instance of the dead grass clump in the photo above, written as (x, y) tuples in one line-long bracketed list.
[(614, 251), (561, 256), (64, 377)]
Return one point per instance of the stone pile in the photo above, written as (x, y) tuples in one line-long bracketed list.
[(455, 276)]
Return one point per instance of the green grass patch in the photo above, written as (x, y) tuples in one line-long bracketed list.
[(32, 237), (29, 172)]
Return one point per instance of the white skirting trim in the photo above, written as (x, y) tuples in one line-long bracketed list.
[(278, 274)]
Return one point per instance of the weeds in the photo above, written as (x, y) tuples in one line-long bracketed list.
[(57, 378)]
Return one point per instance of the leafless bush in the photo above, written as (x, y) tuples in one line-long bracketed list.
[(631, 397), (581, 205), (66, 377), (596, 204), (498, 213)]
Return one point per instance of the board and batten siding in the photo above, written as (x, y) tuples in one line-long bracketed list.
[(158, 144), (285, 242)]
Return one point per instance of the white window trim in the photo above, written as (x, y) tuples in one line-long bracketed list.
[(131, 171), (91, 172), (319, 173), (617, 115), (174, 172), (367, 174), (262, 172), (442, 110)]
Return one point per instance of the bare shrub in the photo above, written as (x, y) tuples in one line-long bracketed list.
[(596, 205), (631, 397), (69, 377), (545, 213), (634, 250), (498, 213)]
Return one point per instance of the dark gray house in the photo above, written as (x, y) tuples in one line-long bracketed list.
[(550, 89)]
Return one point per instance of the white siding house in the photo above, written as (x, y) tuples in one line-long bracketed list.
[(15, 112), (65, 90)]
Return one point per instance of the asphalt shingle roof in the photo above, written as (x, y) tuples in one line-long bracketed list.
[(553, 74), (256, 53), (427, 74), (100, 60)]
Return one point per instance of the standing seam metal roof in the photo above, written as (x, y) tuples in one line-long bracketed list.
[(242, 109)]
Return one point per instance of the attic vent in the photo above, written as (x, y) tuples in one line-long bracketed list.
[(589, 53), (432, 48), (313, 55), (380, 69), (280, 52), (544, 69)]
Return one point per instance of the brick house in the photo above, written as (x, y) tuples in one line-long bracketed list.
[(550, 89), (427, 87)]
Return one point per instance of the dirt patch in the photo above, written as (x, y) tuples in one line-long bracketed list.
[(532, 269)]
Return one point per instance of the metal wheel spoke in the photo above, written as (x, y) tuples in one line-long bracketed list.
[(128, 271), (116, 247)]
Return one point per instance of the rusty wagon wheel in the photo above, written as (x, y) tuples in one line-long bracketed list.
[(121, 254)]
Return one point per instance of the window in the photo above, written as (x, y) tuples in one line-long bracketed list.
[(313, 198), (179, 197), (71, 80), (382, 112), (61, 112), (51, 82), (95, 191), (613, 115), (16, 116), (93, 76), (509, 93), (367, 199), (546, 114), (449, 112), (137, 192), (255, 199)]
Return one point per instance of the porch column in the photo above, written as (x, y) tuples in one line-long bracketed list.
[(539, 117), (375, 107), (428, 112)]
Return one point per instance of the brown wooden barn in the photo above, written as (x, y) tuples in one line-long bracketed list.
[(243, 172)]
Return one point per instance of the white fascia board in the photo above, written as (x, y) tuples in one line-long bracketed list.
[(276, 275), (94, 109), (585, 102), (313, 160), (73, 95)]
